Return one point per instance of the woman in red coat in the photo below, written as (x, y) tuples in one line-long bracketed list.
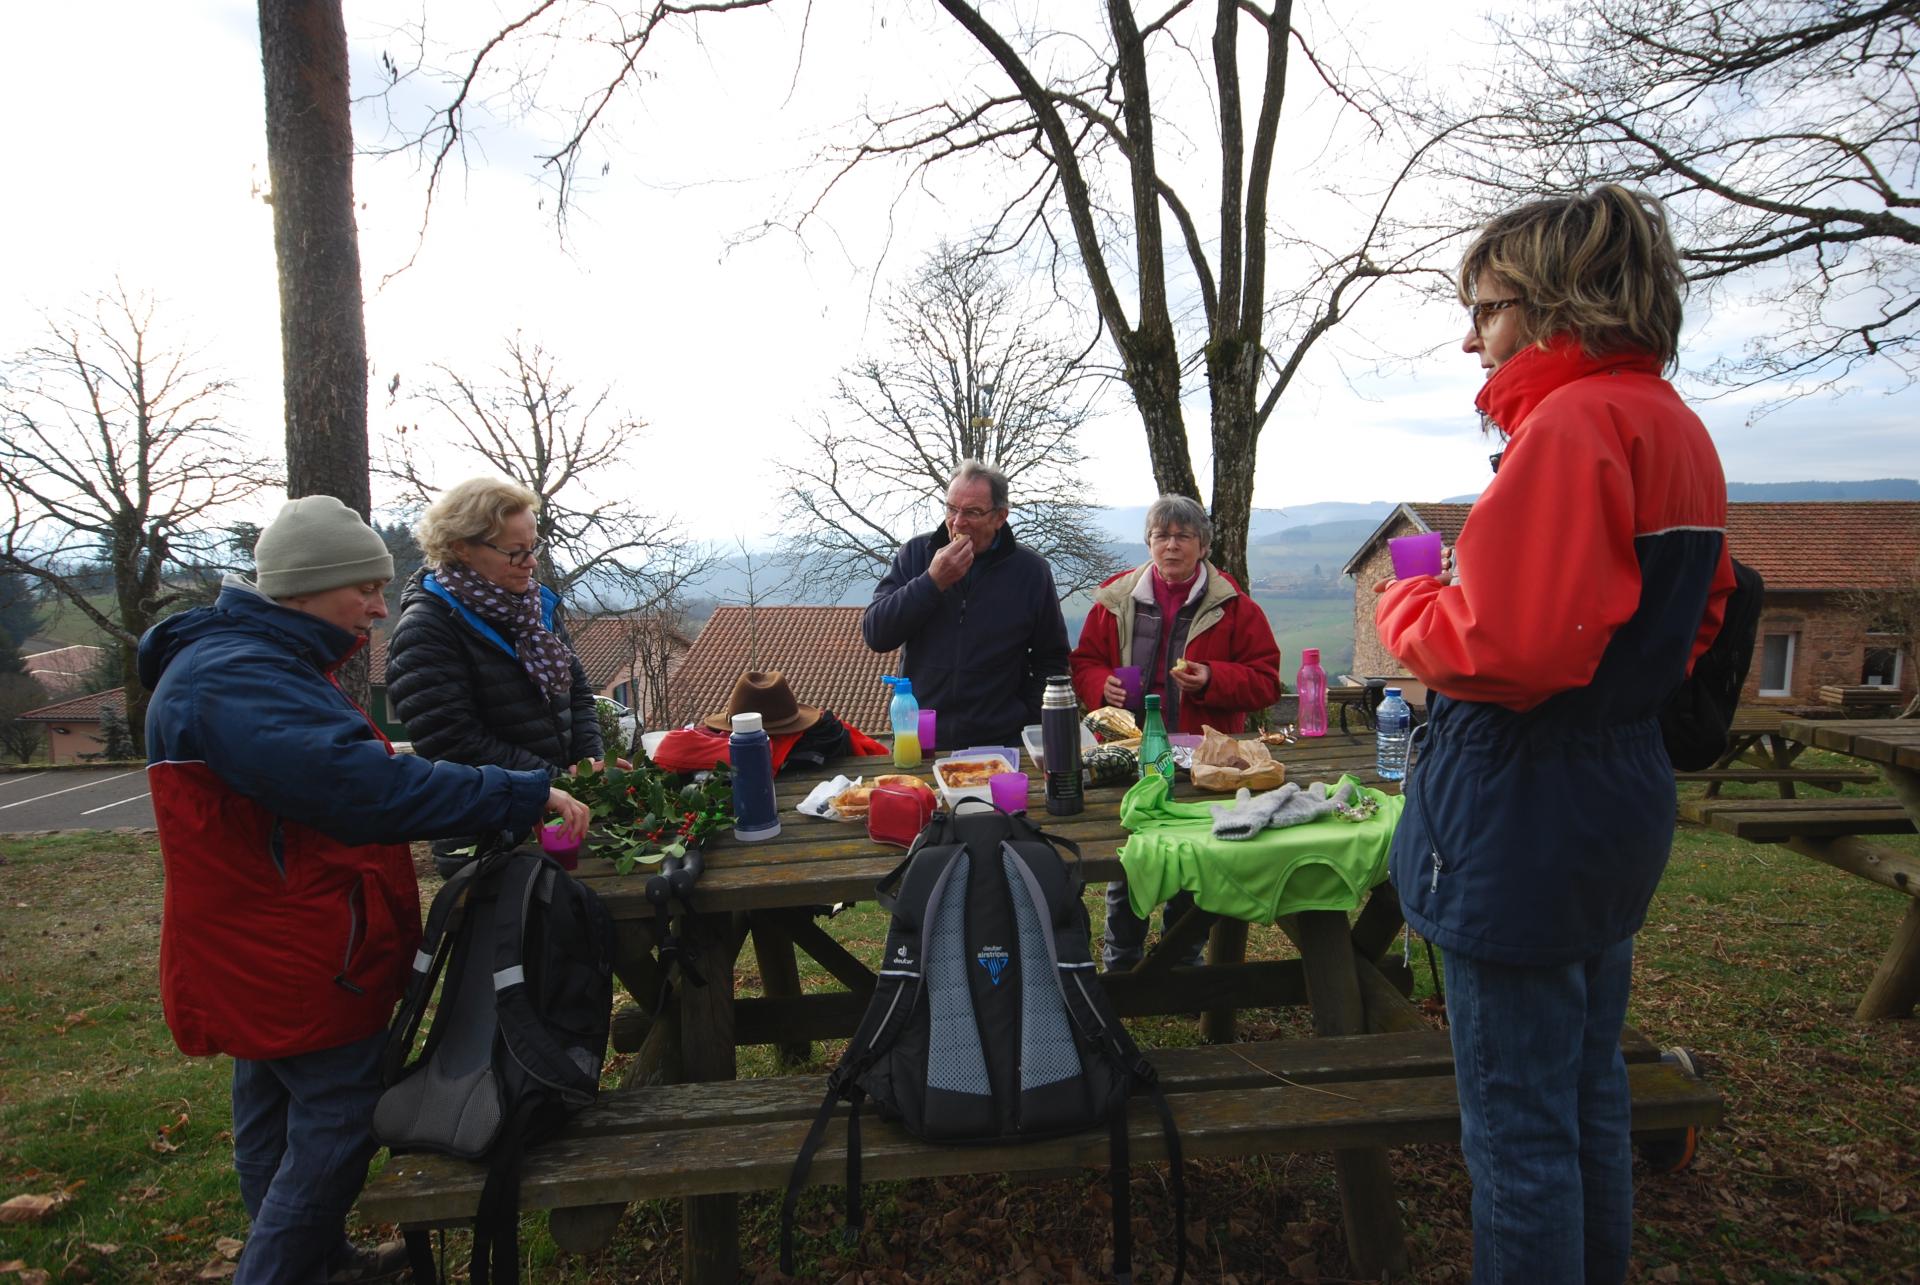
[(1202, 645)]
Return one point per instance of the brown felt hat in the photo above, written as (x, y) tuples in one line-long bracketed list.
[(767, 695)]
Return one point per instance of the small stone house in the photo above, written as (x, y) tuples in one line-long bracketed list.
[(73, 725), (1837, 573)]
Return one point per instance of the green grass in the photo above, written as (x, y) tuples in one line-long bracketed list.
[(1753, 957)]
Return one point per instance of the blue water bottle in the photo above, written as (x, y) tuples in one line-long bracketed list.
[(756, 814), (1394, 724)]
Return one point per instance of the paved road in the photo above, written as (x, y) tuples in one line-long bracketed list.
[(90, 799)]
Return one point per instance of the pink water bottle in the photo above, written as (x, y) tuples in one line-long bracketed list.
[(1311, 687)]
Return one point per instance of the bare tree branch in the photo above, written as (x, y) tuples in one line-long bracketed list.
[(115, 461)]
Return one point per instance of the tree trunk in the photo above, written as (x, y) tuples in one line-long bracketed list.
[(323, 336), (323, 339), (1153, 374), (1233, 374)]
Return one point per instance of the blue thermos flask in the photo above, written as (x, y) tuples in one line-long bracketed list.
[(756, 814)]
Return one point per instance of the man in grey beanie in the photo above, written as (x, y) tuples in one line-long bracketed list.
[(292, 913)]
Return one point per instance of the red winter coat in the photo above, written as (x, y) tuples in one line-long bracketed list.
[(1229, 634)]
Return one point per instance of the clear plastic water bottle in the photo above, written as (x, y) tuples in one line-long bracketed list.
[(1395, 723), (1310, 686)]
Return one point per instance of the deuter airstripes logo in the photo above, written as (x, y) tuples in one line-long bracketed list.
[(994, 960)]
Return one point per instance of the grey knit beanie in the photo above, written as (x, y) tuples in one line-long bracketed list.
[(317, 544)]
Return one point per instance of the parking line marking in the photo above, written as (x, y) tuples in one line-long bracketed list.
[(69, 790), (15, 780), (103, 807)]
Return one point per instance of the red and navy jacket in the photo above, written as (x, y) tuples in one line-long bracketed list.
[(291, 912), (1592, 572)]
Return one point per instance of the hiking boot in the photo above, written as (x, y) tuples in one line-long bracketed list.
[(360, 1263)]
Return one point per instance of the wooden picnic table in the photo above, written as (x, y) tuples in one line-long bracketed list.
[(774, 893), (1893, 746)]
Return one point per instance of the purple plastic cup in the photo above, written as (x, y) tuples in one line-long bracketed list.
[(1009, 791), (1415, 555), (926, 730), (558, 844), (1129, 676)]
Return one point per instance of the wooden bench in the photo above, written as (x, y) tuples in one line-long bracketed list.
[(1782, 820), (1827, 778), (1323, 1094)]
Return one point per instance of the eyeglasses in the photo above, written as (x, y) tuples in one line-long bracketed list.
[(517, 557), (971, 515), (1479, 312), (1172, 537)]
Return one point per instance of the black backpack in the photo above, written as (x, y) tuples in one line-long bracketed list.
[(987, 1023), (1698, 715), (516, 1042)]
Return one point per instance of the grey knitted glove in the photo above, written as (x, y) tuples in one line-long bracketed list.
[(1276, 809)]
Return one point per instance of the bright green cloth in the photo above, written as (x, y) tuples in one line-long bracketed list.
[(1327, 864)]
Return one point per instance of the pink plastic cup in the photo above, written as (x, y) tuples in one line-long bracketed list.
[(1009, 791), (926, 730), (562, 847), (1129, 676), (1415, 555)]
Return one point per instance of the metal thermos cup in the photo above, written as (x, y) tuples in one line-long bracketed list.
[(1060, 744)]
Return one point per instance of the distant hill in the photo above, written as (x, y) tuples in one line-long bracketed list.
[(1883, 488)]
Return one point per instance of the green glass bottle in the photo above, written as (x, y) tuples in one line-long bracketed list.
[(1156, 751)]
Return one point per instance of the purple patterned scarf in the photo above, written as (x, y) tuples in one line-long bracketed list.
[(546, 659)]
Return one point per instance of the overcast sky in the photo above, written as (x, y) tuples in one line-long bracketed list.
[(138, 150)]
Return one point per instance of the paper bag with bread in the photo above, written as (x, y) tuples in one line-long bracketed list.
[(1224, 764)]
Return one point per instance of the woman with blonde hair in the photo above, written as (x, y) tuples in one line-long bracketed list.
[(480, 667), (1591, 573)]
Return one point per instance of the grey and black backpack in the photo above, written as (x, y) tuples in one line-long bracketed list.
[(516, 1041), (987, 1023)]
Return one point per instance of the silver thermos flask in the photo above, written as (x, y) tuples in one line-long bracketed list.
[(1060, 743)]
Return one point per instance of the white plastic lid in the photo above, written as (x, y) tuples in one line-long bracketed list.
[(747, 723)]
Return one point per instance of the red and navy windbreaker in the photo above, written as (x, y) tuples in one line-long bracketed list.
[(291, 912), (1592, 572)]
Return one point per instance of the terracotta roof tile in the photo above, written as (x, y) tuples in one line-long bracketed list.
[(605, 646), (1447, 519), (78, 708), (819, 649), (1828, 544)]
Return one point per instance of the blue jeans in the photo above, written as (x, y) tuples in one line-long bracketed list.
[(1124, 943), (302, 1136), (1544, 1110)]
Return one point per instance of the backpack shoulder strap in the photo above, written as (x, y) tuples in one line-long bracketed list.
[(526, 880), (429, 960)]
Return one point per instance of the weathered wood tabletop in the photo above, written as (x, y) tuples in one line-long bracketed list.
[(774, 891)]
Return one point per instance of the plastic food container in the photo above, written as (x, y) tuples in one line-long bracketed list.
[(952, 794), (1030, 739)]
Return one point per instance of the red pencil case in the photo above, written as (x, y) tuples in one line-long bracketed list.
[(896, 815)]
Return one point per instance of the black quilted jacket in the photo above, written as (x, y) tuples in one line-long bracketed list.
[(466, 699)]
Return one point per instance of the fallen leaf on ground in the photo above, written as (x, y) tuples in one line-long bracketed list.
[(31, 1208), (229, 1247)]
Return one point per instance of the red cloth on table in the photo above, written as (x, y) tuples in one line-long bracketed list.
[(696, 749)]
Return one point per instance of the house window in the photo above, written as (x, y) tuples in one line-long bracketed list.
[(1776, 664), (620, 694), (1882, 667)]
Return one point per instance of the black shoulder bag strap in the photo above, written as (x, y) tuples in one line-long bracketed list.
[(428, 960), (496, 1222)]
